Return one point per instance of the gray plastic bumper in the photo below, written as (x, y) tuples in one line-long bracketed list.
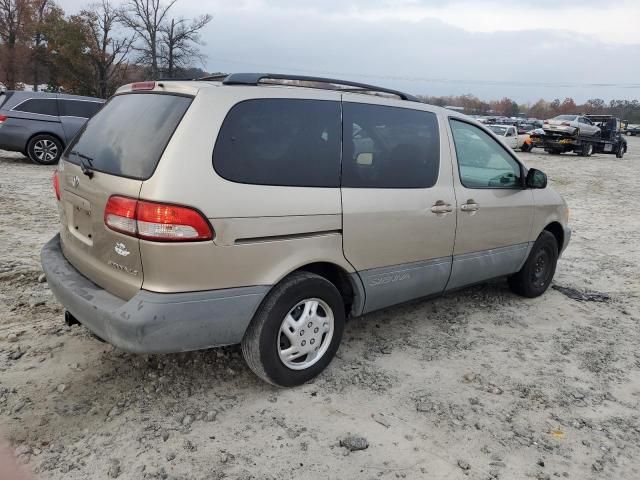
[(151, 322)]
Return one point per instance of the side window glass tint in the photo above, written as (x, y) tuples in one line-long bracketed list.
[(483, 162), (286, 142), (41, 106), (78, 108), (389, 147)]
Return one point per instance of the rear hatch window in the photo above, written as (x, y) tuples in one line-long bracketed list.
[(127, 137)]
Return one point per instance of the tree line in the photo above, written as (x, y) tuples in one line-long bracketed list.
[(542, 109), (98, 49)]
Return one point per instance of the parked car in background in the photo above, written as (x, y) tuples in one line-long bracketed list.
[(632, 130), (40, 125), (298, 208), (573, 125), (510, 135)]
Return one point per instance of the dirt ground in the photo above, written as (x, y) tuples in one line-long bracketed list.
[(478, 384)]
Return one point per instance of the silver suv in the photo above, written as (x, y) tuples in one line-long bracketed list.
[(41, 124), (196, 214)]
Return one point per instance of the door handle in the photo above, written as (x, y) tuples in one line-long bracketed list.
[(470, 206), (441, 207)]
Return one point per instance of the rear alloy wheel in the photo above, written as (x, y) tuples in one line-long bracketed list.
[(536, 274), (296, 331), (44, 149)]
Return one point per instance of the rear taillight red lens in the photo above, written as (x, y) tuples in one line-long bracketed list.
[(3, 118), (154, 221), (120, 215), (55, 179)]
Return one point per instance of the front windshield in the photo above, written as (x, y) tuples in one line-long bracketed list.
[(498, 130)]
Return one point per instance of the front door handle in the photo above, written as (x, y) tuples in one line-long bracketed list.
[(470, 206), (441, 207)]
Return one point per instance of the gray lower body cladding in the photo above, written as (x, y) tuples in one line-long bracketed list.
[(152, 322)]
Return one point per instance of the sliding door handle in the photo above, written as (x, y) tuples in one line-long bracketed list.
[(441, 207), (470, 206)]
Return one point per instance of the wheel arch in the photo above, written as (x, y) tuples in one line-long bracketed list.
[(348, 284), (557, 231), (62, 142)]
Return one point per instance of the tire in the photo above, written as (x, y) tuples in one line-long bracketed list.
[(44, 149), (587, 150), (265, 337), (622, 149), (536, 274)]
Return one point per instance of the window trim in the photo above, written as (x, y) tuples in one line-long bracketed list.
[(340, 120), (439, 159), (522, 185), (34, 113)]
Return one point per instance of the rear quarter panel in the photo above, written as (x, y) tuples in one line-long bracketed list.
[(262, 233)]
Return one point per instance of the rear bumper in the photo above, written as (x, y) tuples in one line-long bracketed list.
[(151, 322)]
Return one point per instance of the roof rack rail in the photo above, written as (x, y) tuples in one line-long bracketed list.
[(256, 78), (216, 77)]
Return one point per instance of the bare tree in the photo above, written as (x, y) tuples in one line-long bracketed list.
[(108, 53), (15, 16), (38, 51), (180, 40), (145, 18)]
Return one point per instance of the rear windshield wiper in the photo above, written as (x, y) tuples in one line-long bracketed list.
[(86, 162)]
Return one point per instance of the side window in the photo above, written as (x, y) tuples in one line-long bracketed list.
[(483, 162), (42, 106), (78, 108), (389, 147), (286, 142)]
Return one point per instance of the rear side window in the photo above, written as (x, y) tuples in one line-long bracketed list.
[(127, 137), (42, 106), (389, 147), (286, 142), (78, 108)]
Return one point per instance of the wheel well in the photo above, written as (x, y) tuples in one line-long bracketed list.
[(336, 275), (556, 229)]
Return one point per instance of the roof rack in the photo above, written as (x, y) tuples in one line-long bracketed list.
[(256, 78)]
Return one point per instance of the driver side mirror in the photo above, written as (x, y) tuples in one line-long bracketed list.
[(536, 179)]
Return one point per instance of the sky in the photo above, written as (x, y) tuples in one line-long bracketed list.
[(524, 50)]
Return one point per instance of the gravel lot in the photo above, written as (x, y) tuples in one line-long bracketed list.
[(478, 384)]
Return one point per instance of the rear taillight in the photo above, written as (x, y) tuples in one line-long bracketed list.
[(120, 215), (546, 121), (158, 222), (3, 118), (565, 124), (55, 179)]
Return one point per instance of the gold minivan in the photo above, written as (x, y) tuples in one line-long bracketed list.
[(266, 209)]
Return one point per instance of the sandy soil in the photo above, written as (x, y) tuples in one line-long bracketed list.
[(478, 384)]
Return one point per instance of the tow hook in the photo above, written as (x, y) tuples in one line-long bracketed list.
[(69, 319)]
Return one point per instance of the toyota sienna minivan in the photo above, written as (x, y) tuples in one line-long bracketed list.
[(247, 209)]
